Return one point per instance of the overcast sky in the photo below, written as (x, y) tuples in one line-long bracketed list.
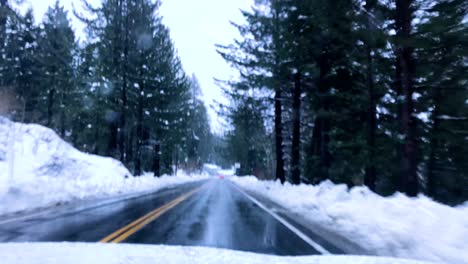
[(196, 26)]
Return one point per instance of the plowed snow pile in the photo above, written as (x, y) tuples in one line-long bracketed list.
[(39, 169), (397, 226)]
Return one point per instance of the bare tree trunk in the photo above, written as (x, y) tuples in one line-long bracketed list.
[(157, 160), (434, 143), (408, 175), (325, 154), (322, 123), (139, 135), (50, 106), (62, 114), (96, 134), (280, 175), (124, 70), (112, 143), (176, 160), (114, 118), (316, 137), (296, 136), (279, 137), (62, 124), (370, 176)]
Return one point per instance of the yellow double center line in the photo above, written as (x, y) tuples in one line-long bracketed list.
[(130, 229)]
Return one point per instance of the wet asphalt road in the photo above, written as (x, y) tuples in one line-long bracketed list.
[(217, 215)]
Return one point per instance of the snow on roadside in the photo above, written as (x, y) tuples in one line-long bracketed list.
[(38, 169), (397, 226), (98, 253)]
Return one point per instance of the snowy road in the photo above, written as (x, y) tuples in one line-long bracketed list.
[(208, 213)]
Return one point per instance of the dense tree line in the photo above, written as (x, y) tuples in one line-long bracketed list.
[(122, 92), (367, 92)]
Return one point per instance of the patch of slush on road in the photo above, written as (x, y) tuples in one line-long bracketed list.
[(38, 169), (71, 253), (397, 226)]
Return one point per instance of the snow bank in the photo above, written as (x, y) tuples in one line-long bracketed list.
[(133, 254), (38, 169), (396, 226)]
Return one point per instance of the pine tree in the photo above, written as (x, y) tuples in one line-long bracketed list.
[(149, 91), (440, 50), (198, 131), (89, 125), (370, 176), (109, 27), (247, 140), (19, 68), (262, 62), (57, 45), (405, 78)]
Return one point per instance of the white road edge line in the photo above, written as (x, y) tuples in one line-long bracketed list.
[(296, 231)]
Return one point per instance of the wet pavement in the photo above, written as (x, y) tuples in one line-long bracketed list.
[(217, 215)]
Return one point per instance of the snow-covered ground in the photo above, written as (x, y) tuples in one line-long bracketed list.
[(38, 169), (398, 226), (71, 253)]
